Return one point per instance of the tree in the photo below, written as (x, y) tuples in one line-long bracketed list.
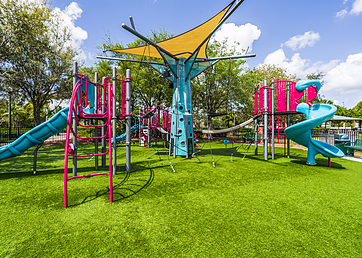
[(269, 72), (35, 56), (357, 110)]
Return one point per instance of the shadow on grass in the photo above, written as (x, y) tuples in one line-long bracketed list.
[(236, 152), (131, 184), (320, 163), (42, 171)]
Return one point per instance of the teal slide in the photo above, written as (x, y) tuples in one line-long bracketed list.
[(122, 137), (35, 136), (301, 132)]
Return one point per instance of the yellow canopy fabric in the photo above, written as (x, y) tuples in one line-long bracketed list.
[(182, 45)]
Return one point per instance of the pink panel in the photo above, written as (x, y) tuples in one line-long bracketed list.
[(312, 93)]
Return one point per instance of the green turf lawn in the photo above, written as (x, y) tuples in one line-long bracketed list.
[(244, 208)]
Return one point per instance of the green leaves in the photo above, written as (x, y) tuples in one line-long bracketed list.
[(35, 57)]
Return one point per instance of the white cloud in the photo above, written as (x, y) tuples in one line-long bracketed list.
[(341, 14), (301, 41), (357, 7), (245, 35), (69, 15), (336, 102), (342, 81), (297, 65), (346, 77)]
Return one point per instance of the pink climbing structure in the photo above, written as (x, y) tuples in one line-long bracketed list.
[(286, 97), (93, 102), (282, 99), (153, 118)]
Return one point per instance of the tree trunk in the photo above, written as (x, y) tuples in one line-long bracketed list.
[(37, 115)]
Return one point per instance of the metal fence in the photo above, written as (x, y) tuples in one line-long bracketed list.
[(327, 135)]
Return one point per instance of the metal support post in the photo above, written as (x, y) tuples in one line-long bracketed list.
[(139, 128), (187, 142), (96, 121), (104, 128), (114, 120), (191, 119), (256, 136), (75, 74), (9, 112), (288, 120), (36, 156), (128, 121), (149, 133), (272, 118), (265, 89), (288, 140)]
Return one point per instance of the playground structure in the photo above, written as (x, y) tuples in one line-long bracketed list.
[(184, 58), (150, 119), (284, 98), (98, 103)]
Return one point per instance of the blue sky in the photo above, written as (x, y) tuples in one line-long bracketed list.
[(301, 36)]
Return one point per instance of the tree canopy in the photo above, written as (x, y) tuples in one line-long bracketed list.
[(35, 54)]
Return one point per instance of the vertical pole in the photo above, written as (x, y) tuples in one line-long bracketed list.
[(36, 157), (114, 119), (109, 98), (128, 121), (103, 124), (75, 74), (272, 117), (149, 133), (96, 121), (187, 141), (9, 110), (139, 127), (191, 118), (265, 89), (176, 112), (288, 140), (256, 136), (288, 119)]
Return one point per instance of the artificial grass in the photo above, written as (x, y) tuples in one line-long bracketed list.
[(244, 208)]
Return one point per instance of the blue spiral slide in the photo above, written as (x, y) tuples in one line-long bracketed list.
[(35, 136), (301, 132)]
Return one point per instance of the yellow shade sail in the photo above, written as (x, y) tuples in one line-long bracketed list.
[(183, 45)]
